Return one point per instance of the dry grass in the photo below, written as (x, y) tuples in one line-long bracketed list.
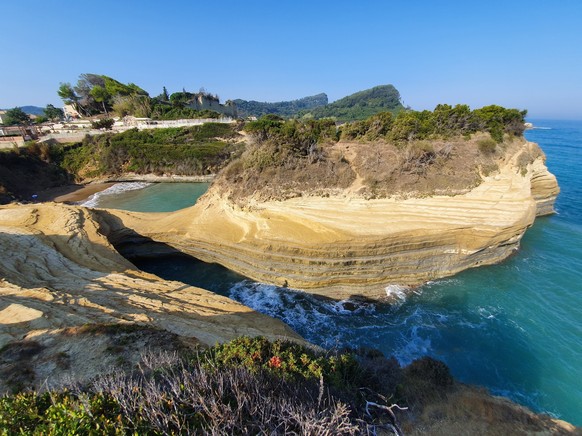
[(172, 397), (381, 169), (269, 173), (420, 167)]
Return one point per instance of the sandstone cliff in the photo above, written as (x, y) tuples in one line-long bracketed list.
[(344, 243), (61, 280), (58, 273)]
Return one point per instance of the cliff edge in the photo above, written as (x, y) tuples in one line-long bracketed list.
[(358, 236), (60, 275)]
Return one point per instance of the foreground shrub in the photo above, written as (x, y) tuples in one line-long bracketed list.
[(60, 413), (424, 381), (289, 360), (247, 386), (178, 398), (487, 145), (168, 395)]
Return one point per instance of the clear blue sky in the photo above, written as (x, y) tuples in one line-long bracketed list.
[(522, 54)]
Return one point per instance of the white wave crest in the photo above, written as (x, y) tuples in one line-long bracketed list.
[(118, 188), (414, 347), (315, 318), (396, 293)]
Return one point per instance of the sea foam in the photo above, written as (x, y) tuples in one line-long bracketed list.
[(116, 189)]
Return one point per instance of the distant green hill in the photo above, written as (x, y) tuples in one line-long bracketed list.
[(30, 110), (359, 106), (283, 108)]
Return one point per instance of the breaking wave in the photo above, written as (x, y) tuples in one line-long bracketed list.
[(116, 189)]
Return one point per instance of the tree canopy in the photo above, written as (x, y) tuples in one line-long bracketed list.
[(94, 94), (16, 116), (97, 94), (444, 121), (53, 113)]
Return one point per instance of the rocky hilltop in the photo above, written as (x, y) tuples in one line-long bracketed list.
[(355, 238)]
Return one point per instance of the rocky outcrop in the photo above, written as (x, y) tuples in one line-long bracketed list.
[(544, 188), (59, 271), (67, 297), (344, 244)]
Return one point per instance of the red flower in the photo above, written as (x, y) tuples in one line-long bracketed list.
[(275, 362)]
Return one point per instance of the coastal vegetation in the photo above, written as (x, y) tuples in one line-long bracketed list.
[(196, 150), (428, 151), (27, 170), (445, 150), (445, 121), (16, 116), (95, 95), (248, 385), (193, 150)]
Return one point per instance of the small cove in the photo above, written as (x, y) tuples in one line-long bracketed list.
[(514, 328), (148, 197)]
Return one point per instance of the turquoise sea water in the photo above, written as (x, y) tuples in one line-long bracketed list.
[(515, 328), (149, 197)]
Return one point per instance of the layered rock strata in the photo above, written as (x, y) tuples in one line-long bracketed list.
[(345, 245), (58, 271)]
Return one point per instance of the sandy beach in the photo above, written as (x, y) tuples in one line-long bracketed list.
[(72, 193), (75, 193)]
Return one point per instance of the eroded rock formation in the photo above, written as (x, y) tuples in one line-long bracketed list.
[(348, 244), (59, 271)]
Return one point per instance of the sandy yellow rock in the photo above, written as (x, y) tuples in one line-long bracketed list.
[(58, 270), (346, 245)]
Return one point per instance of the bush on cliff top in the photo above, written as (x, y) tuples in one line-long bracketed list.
[(445, 121), (413, 152)]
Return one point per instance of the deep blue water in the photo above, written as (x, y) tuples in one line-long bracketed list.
[(515, 328)]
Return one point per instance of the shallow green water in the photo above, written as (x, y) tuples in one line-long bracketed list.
[(155, 197)]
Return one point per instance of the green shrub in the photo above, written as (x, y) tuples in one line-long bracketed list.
[(106, 123), (287, 359), (445, 121), (246, 386), (425, 380), (487, 145), (298, 137), (193, 150), (60, 413)]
